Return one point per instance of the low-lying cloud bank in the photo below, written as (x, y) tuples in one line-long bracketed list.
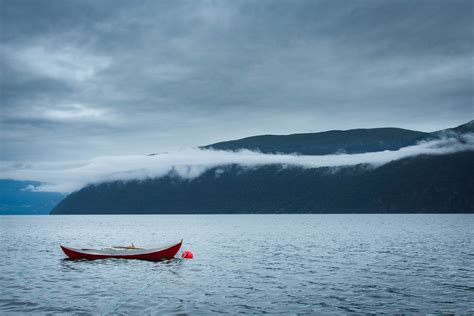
[(191, 163)]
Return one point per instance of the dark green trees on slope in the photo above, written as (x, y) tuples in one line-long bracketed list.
[(443, 183), (351, 142), (421, 184)]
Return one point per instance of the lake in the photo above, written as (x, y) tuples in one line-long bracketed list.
[(242, 264)]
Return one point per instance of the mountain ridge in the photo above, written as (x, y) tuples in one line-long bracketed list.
[(350, 141), (324, 143), (418, 184)]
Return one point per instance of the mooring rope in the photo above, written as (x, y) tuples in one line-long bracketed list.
[(140, 290)]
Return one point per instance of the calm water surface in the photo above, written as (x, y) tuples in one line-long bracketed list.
[(243, 263)]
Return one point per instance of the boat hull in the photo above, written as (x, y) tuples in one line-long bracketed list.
[(156, 254)]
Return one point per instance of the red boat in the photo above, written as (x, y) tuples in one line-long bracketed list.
[(153, 253)]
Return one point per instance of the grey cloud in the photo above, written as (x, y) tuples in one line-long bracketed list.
[(169, 74)]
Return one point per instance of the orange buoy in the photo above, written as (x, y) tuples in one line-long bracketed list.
[(187, 254)]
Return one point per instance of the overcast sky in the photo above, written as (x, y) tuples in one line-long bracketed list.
[(81, 79)]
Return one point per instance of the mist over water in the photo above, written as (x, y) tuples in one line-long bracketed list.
[(192, 162)]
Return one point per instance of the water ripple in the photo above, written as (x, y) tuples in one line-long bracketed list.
[(288, 264)]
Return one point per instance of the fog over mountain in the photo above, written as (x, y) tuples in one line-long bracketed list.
[(193, 162), (434, 174)]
